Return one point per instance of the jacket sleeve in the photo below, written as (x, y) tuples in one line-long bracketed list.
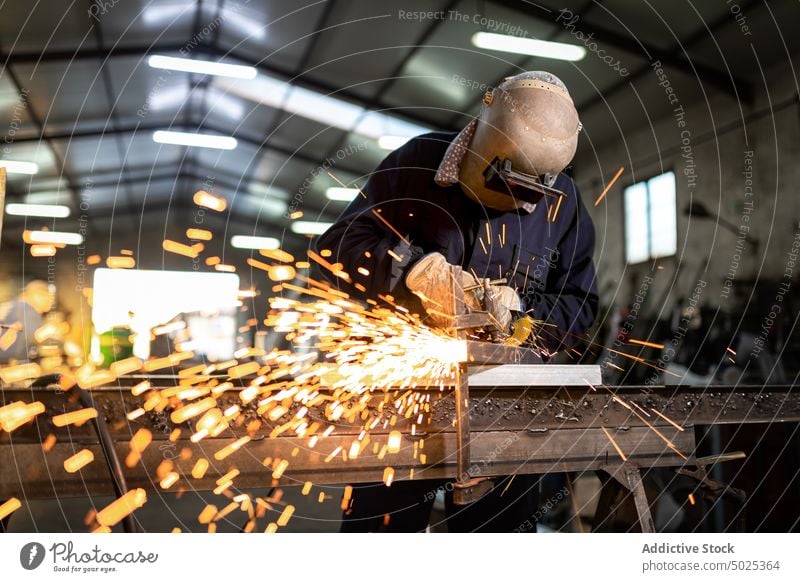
[(569, 301), (359, 239)]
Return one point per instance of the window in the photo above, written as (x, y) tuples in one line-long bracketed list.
[(651, 221)]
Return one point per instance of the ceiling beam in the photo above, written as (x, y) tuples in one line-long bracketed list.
[(108, 88), (60, 163), (674, 58), (75, 133), (375, 101), (459, 117), (746, 93), (80, 54)]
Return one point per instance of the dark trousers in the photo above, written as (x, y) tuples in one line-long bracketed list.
[(406, 507)]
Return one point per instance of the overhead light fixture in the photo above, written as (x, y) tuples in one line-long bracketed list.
[(391, 142), (202, 67), (310, 227), (528, 46), (325, 109), (340, 194), (263, 199), (51, 237), (49, 197), (15, 167), (165, 14), (200, 140), (42, 210), (241, 241)]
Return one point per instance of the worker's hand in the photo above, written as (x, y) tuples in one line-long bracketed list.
[(432, 278), (500, 302)]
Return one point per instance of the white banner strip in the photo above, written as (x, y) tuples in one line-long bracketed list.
[(389, 557)]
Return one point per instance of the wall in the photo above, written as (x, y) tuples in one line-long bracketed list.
[(709, 169)]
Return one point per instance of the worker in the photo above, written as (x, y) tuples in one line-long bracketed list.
[(21, 317), (489, 203)]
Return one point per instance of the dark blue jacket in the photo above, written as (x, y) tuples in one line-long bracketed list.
[(549, 263)]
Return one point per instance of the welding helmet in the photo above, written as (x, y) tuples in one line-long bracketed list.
[(525, 136)]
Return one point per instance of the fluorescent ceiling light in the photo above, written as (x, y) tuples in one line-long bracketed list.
[(169, 97), (376, 124), (43, 210), (341, 194), (241, 241), (391, 142), (15, 167), (263, 199), (201, 140), (325, 109), (160, 13), (202, 67), (165, 15), (528, 46), (50, 237), (270, 206), (48, 197), (225, 104), (310, 227), (252, 28)]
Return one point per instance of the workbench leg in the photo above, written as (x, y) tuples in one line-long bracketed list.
[(615, 508), (462, 423), (609, 503), (634, 478)]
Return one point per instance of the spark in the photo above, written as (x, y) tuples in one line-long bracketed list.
[(119, 262), (79, 460), (377, 214), (9, 507), (210, 201), (614, 444), (198, 234), (608, 186), (646, 344), (395, 438), (20, 372), (77, 417), (343, 185), (669, 420), (119, 509), (558, 207)]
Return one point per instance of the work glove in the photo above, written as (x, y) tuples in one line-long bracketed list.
[(431, 279), (500, 301)]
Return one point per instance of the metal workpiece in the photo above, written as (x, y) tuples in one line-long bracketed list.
[(512, 430), (498, 407), (531, 375), (485, 353), (30, 471), (467, 488)]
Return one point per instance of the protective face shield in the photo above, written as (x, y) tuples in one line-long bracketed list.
[(525, 136)]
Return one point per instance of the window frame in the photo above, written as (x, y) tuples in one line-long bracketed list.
[(649, 234)]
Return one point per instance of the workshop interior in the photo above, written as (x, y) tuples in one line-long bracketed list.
[(275, 266)]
